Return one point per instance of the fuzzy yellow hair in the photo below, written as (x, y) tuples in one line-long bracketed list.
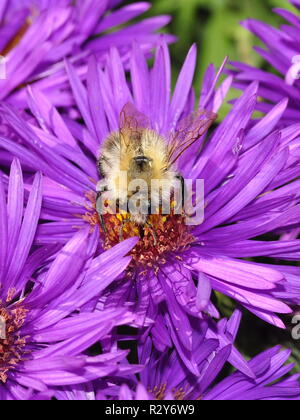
[(119, 151)]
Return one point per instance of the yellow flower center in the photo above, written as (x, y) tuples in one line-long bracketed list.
[(162, 236)]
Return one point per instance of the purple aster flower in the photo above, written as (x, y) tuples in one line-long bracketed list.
[(36, 35), (282, 52), (247, 167), (47, 300), (165, 377), (159, 382)]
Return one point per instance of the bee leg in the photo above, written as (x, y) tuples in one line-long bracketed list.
[(148, 224), (103, 225), (183, 190), (142, 232), (121, 235), (102, 221)]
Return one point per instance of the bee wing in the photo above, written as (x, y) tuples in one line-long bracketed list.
[(190, 129), (132, 123), (133, 120)]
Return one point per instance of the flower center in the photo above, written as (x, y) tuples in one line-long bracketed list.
[(11, 343), (161, 236), (160, 393)]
